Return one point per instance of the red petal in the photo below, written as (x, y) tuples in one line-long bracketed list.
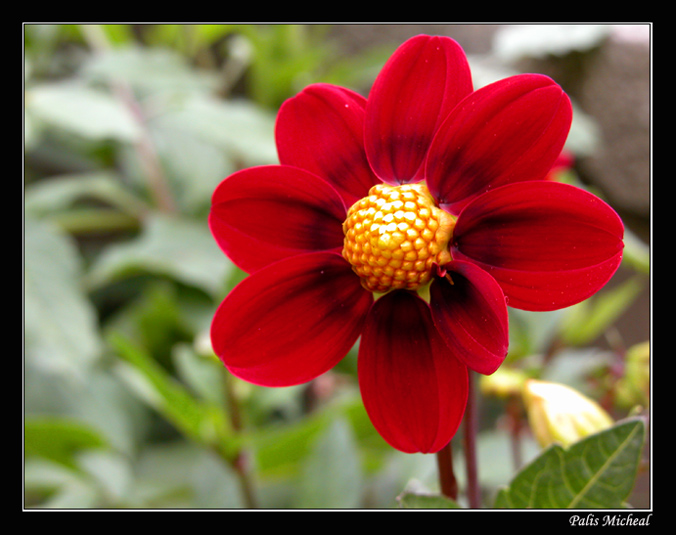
[(549, 245), (471, 315), (420, 84), (262, 214), (414, 390), (322, 130), (291, 321), (511, 130)]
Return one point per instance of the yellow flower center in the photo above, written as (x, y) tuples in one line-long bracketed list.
[(395, 235)]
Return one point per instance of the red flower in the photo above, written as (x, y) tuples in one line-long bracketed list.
[(410, 219)]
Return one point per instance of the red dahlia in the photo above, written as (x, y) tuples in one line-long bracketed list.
[(412, 219)]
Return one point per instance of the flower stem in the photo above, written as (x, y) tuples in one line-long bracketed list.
[(447, 481), (515, 425), (473, 489), (240, 462)]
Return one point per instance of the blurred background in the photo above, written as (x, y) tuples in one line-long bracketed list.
[(127, 131)]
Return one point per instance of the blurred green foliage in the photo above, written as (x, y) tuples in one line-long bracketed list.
[(127, 131)]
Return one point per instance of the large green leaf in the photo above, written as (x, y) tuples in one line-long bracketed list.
[(174, 247), (193, 165), (148, 70), (331, 476), (242, 129), (58, 439), (281, 449), (61, 331), (82, 110), (597, 472), (62, 192)]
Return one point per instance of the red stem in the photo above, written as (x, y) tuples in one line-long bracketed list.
[(447, 481), (473, 489)]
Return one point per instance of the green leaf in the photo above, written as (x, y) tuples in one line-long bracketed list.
[(331, 475), (204, 375), (280, 449), (531, 332), (636, 253), (112, 475), (58, 439), (597, 472), (82, 110), (173, 247), (284, 57), (62, 192), (245, 131), (50, 485), (193, 165), (215, 483), (152, 70), (61, 330), (198, 421), (589, 319), (411, 500)]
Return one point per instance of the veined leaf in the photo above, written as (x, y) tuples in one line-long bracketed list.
[(597, 472)]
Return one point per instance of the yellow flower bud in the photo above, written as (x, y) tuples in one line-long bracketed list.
[(503, 383), (558, 413)]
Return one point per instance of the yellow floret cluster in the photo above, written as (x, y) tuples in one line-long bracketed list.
[(395, 235)]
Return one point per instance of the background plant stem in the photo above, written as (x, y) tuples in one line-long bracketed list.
[(157, 181), (473, 489), (241, 461)]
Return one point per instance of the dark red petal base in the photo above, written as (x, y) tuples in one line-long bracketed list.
[(414, 389), (291, 321)]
